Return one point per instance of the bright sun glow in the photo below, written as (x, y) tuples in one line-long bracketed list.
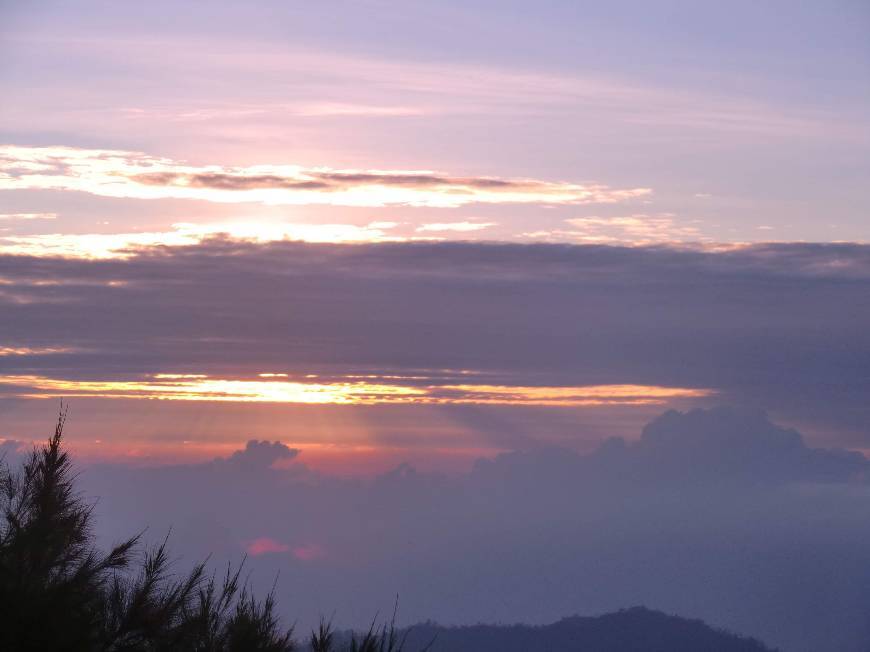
[(272, 388), (114, 173)]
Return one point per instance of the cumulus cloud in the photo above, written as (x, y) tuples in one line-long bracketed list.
[(653, 520), (739, 447), (114, 173), (259, 455)]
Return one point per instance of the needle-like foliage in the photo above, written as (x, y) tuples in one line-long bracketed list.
[(59, 592), (386, 638)]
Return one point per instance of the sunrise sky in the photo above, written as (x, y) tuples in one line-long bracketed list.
[(516, 309), (223, 221)]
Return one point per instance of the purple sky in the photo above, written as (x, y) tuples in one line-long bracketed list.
[(387, 293), (664, 122), (140, 145)]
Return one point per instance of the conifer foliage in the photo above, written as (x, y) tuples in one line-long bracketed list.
[(59, 592)]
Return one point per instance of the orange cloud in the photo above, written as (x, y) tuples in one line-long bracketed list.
[(265, 546), (274, 388)]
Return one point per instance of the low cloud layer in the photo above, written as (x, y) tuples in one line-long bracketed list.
[(719, 514), (781, 326)]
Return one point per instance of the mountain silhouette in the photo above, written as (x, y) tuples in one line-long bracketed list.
[(637, 629)]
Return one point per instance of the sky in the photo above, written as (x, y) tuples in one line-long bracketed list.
[(312, 249), (718, 514), (138, 140)]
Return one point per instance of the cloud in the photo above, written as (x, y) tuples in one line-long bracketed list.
[(372, 87), (24, 217), (343, 109), (114, 173), (703, 515), (264, 110), (12, 452), (455, 226), (185, 111), (223, 181), (738, 447), (637, 229), (6, 351), (259, 455), (309, 552), (453, 324), (125, 245), (265, 546), (342, 390)]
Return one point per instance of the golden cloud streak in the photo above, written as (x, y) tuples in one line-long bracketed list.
[(569, 396), (116, 173), (196, 387), (125, 245), (199, 387), (8, 351)]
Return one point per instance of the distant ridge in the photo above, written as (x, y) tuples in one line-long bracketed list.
[(637, 629)]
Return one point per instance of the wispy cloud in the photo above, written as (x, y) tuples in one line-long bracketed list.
[(636, 229), (124, 245), (9, 351), (244, 111), (461, 227), (114, 173), (373, 87), (265, 546), (309, 552), (23, 217)]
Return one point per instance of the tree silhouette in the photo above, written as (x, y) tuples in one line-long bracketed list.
[(59, 592)]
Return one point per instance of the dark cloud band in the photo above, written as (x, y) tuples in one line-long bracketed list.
[(783, 326)]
